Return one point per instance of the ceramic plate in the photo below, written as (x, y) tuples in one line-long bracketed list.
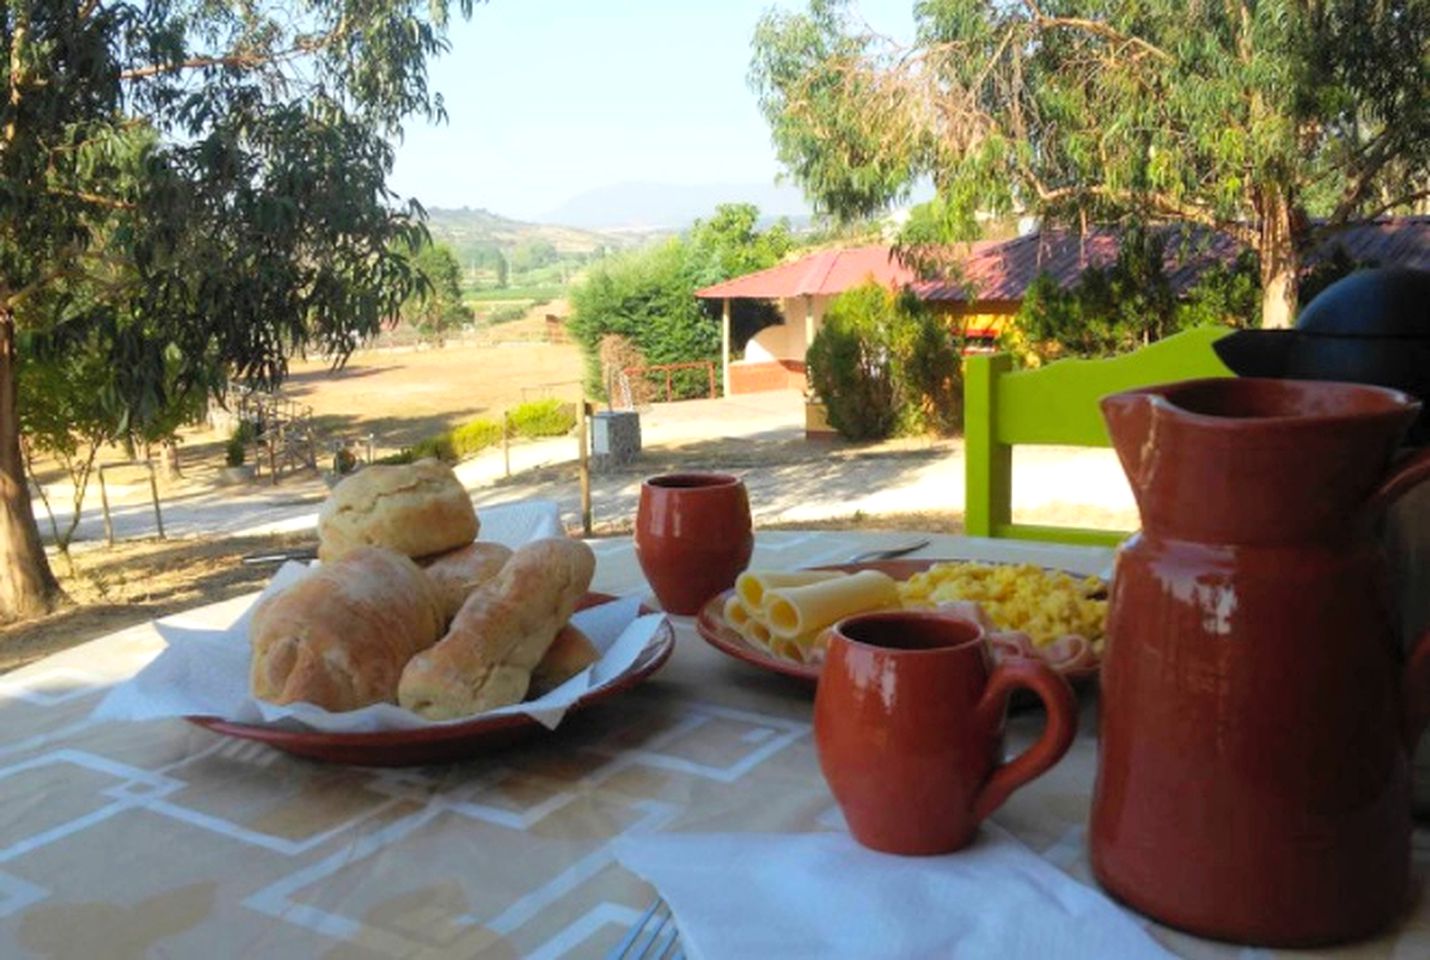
[(441, 744), (710, 624)]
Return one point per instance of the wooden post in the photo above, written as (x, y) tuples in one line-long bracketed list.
[(154, 491), (988, 464), (667, 385), (710, 369), (506, 442), (104, 504), (808, 323), (724, 351), (584, 455)]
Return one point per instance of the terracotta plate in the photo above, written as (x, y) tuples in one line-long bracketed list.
[(711, 625), (457, 741)]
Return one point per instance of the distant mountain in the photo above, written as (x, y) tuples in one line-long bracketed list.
[(466, 230), (625, 207)]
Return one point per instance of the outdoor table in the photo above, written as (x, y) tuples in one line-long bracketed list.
[(163, 839)]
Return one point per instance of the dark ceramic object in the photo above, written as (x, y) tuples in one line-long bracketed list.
[(693, 537), (1256, 714), (1370, 327), (908, 721)]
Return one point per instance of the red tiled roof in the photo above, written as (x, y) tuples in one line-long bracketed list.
[(826, 272), (994, 270), (1393, 242), (1004, 271)]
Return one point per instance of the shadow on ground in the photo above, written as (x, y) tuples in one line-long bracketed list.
[(139, 580)]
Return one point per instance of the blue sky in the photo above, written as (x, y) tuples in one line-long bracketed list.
[(550, 98)]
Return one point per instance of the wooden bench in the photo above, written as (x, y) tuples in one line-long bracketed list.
[(1056, 405)]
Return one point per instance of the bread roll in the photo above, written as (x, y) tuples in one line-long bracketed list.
[(500, 634), (416, 509), (570, 653), (458, 572), (340, 637)]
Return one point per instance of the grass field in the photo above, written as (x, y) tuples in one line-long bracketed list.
[(549, 291)]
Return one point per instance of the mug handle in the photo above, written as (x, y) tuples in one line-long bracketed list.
[(1057, 696), (1408, 472)]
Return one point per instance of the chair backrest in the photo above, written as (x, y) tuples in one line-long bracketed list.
[(1056, 405)]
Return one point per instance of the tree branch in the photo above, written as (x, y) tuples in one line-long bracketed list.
[(1397, 202), (1042, 21), (246, 61)]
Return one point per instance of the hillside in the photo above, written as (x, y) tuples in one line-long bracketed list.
[(645, 206), (468, 231)]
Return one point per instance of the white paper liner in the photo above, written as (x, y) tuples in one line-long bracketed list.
[(204, 671)]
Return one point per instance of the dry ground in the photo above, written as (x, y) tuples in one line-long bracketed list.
[(402, 396), (399, 395)]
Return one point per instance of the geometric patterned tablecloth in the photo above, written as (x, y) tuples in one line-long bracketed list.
[(164, 840)]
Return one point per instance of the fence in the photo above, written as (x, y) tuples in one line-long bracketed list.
[(669, 369)]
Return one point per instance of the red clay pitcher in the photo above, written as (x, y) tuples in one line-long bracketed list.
[(1257, 713)]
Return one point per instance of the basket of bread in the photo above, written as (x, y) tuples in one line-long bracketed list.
[(412, 628)]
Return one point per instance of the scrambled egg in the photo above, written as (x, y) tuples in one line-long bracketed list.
[(1043, 604)]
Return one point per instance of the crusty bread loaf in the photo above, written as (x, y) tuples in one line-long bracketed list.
[(340, 637), (458, 572), (570, 653), (500, 634), (417, 509)]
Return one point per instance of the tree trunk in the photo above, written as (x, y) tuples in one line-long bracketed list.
[(27, 587), (169, 460), (1280, 263)]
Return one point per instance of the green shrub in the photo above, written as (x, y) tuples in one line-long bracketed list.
[(402, 456), (233, 451), (883, 362), (851, 366), (927, 369), (543, 418), (647, 296), (507, 314), (440, 447), (474, 436)]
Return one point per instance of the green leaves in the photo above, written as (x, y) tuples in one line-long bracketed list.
[(1131, 302), (648, 296), (1226, 115), (882, 362)]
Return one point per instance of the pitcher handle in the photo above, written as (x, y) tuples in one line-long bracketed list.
[(1061, 706), (1405, 475), (1416, 692)]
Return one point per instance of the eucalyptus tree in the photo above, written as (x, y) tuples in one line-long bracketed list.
[(1271, 120), (201, 189)]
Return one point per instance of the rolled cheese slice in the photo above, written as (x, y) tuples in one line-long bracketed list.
[(792, 611), (756, 633), (752, 585), (787, 649), (736, 613)]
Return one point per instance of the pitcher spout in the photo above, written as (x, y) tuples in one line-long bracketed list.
[(1261, 462), (1129, 417)]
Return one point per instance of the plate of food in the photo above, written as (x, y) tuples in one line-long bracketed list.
[(412, 640), (777, 620), (441, 743)]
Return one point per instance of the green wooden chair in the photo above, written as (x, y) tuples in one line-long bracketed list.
[(1056, 405)]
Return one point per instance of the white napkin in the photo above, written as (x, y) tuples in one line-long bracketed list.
[(824, 896), (204, 670)]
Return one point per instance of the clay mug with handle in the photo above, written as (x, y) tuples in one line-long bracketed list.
[(908, 722)]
